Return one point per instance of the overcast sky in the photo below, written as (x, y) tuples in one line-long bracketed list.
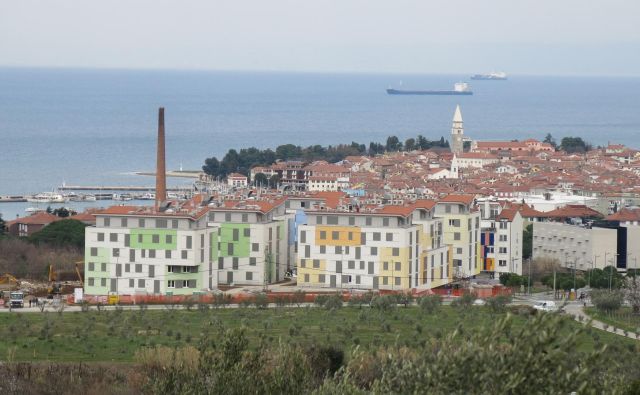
[(422, 36)]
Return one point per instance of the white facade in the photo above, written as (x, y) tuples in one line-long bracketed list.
[(586, 247)]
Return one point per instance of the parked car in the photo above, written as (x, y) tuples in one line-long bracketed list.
[(546, 305)]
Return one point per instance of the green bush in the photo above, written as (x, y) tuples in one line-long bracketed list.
[(261, 301), (465, 300), (430, 303), (606, 300), (498, 303)]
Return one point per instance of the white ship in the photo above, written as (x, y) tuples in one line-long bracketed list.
[(494, 75), (47, 197)]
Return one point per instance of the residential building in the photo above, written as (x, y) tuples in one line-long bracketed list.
[(237, 180)]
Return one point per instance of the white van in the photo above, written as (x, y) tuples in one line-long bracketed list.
[(546, 305)]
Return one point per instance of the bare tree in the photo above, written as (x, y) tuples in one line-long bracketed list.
[(632, 293)]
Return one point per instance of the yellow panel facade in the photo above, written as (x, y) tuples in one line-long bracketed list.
[(396, 270), (337, 235), (311, 269)]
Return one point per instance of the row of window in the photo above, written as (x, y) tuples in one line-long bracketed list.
[(333, 220), (181, 283), (115, 252), (395, 251), (145, 222), (235, 263)]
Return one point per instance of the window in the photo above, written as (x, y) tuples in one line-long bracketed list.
[(127, 240), (374, 251), (323, 249), (168, 239), (316, 263), (91, 281), (503, 250), (132, 283), (171, 284), (502, 262), (143, 253), (246, 232), (321, 278), (235, 263), (138, 268), (167, 254), (351, 264), (91, 266), (385, 280), (503, 225), (103, 282), (323, 235), (367, 221), (307, 251), (447, 208), (454, 222), (189, 242), (319, 219), (141, 283), (245, 217), (161, 223), (183, 254), (385, 265), (141, 223), (127, 267), (140, 238), (338, 249), (94, 251), (107, 222), (249, 276), (350, 235), (252, 261), (227, 217), (235, 234), (376, 236), (335, 235), (398, 279), (303, 236), (229, 249), (395, 251), (171, 269), (220, 263), (174, 224), (332, 220), (456, 235), (116, 252), (398, 266), (503, 237), (255, 247), (389, 237), (152, 253), (361, 265), (306, 276), (100, 236), (155, 239), (352, 220)]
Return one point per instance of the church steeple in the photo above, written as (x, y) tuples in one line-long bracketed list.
[(457, 132)]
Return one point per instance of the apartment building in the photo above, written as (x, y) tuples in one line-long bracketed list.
[(388, 247), (583, 246), (137, 250), (501, 228), (249, 241), (461, 224)]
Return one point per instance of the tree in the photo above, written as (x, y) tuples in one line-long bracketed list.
[(574, 145), (632, 292), (606, 300), (550, 140), (3, 226), (211, 166), (410, 144), (393, 144), (274, 181), (67, 232), (527, 242), (260, 179)]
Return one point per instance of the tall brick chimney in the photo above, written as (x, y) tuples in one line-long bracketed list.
[(161, 171)]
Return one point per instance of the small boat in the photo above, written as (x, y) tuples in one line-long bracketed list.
[(122, 197), (47, 197), (33, 210), (90, 198), (147, 196)]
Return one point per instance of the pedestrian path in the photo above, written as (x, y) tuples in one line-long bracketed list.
[(576, 310)]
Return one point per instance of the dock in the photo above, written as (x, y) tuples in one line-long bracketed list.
[(113, 188)]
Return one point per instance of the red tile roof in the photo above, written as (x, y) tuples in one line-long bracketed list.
[(625, 215)]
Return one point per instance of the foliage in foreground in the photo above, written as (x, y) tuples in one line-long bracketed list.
[(536, 358)]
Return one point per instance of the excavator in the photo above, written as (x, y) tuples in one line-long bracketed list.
[(54, 282)]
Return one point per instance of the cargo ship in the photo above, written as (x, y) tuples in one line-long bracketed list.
[(497, 76), (460, 88)]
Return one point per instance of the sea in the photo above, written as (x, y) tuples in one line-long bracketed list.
[(98, 126)]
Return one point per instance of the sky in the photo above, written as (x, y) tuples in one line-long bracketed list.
[(548, 37)]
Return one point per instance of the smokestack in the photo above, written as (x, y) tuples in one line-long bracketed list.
[(161, 171)]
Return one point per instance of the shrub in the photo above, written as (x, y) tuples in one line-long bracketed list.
[(498, 303), (333, 302), (430, 303), (465, 300), (605, 300), (261, 301), (384, 302)]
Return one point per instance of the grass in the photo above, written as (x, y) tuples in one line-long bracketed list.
[(116, 335), (623, 318)]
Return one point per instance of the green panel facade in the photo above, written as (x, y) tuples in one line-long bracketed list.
[(143, 239), (234, 234), (97, 274)]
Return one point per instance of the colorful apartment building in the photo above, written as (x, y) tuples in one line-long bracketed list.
[(380, 248), (461, 223)]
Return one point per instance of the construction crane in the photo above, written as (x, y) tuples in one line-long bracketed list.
[(79, 275), (54, 287)]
